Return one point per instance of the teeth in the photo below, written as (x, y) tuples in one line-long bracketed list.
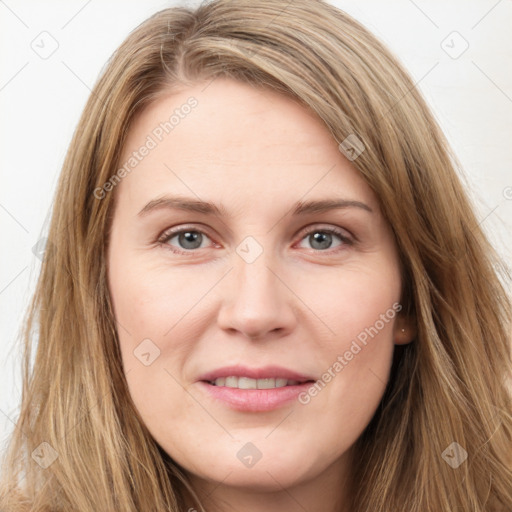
[(247, 383), (266, 383), (281, 383), (231, 382)]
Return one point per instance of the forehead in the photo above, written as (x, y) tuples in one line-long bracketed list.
[(230, 141)]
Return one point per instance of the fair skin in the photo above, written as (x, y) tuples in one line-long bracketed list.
[(299, 305)]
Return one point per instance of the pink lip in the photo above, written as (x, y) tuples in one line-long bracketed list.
[(267, 372), (254, 400)]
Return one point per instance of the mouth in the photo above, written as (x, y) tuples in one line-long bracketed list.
[(254, 390), (238, 382)]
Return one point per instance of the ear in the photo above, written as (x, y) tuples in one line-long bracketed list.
[(404, 330)]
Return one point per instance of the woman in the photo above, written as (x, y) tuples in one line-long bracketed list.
[(266, 286)]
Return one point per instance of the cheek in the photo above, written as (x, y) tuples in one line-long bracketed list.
[(357, 312), (354, 302), (159, 312), (151, 312), (152, 303)]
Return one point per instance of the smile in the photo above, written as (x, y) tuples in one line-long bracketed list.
[(248, 383)]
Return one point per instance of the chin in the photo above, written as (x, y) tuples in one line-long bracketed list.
[(265, 478), (270, 469)]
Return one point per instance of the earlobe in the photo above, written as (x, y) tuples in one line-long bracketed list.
[(404, 331)]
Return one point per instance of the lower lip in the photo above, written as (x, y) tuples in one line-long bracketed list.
[(254, 400)]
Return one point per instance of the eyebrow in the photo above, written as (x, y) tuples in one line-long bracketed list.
[(207, 208)]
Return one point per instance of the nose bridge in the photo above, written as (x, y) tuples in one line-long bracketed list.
[(257, 301), (256, 286), (254, 279)]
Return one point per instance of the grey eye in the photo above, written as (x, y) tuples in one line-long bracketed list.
[(320, 240), (188, 239)]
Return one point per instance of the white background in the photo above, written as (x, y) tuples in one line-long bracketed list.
[(41, 100)]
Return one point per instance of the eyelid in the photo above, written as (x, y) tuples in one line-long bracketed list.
[(170, 232), (341, 232)]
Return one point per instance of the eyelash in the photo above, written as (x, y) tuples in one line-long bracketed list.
[(169, 234)]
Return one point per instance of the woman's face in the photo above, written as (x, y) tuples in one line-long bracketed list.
[(285, 273)]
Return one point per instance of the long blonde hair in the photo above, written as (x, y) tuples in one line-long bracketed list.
[(451, 384)]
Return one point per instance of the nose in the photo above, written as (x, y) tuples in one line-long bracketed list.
[(256, 301)]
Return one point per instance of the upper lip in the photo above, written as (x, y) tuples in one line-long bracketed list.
[(266, 372)]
